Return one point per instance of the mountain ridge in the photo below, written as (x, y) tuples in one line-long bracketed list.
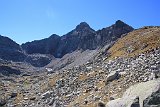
[(82, 37)]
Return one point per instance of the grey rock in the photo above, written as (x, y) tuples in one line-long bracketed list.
[(143, 90), (51, 101), (2, 102), (135, 102), (10, 50), (33, 98), (153, 100), (112, 76), (46, 94), (38, 60), (13, 94), (6, 70), (101, 104)]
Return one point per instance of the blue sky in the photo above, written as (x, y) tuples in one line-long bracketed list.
[(27, 20)]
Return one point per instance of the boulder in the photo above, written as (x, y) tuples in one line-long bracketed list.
[(14, 94), (101, 104), (135, 102), (33, 98), (141, 90), (2, 102), (46, 95), (7, 70), (112, 76), (153, 100), (51, 101)]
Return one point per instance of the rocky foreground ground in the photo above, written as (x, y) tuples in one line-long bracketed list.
[(87, 85)]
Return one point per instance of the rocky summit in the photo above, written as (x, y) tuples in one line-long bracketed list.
[(117, 66)]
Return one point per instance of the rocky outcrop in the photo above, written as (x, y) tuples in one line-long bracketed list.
[(6, 70), (113, 32), (82, 37), (153, 100), (44, 46), (38, 60), (140, 91), (10, 50)]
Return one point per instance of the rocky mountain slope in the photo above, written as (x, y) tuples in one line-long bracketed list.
[(82, 37), (10, 50), (124, 71)]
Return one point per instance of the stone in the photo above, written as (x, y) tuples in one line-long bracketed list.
[(111, 98), (142, 90), (97, 98), (85, 102), (101, 104), (2, 102), (112, 76), (153, 100), (130, 49), (25, 98), (56, 104), (51, 101), (14, 94), (135, 102), (33, 98), (96, 89), (46, 95), (60, 83)]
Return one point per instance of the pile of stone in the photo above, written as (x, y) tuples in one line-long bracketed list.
[(115, 75)]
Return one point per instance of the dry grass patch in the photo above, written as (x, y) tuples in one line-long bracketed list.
[(142, 41)]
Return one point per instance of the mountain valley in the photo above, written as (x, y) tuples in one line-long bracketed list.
[(117, 66)]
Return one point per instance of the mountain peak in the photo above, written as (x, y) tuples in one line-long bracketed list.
[(54, 36), (121, 24), (82, 25)]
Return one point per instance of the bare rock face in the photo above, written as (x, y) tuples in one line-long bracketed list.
[(44, 46), (38, 60), (83, 37), (10, 50), (5, 70), (76, 39), (113, 32)]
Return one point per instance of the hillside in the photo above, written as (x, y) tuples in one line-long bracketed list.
[(137, 42)]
